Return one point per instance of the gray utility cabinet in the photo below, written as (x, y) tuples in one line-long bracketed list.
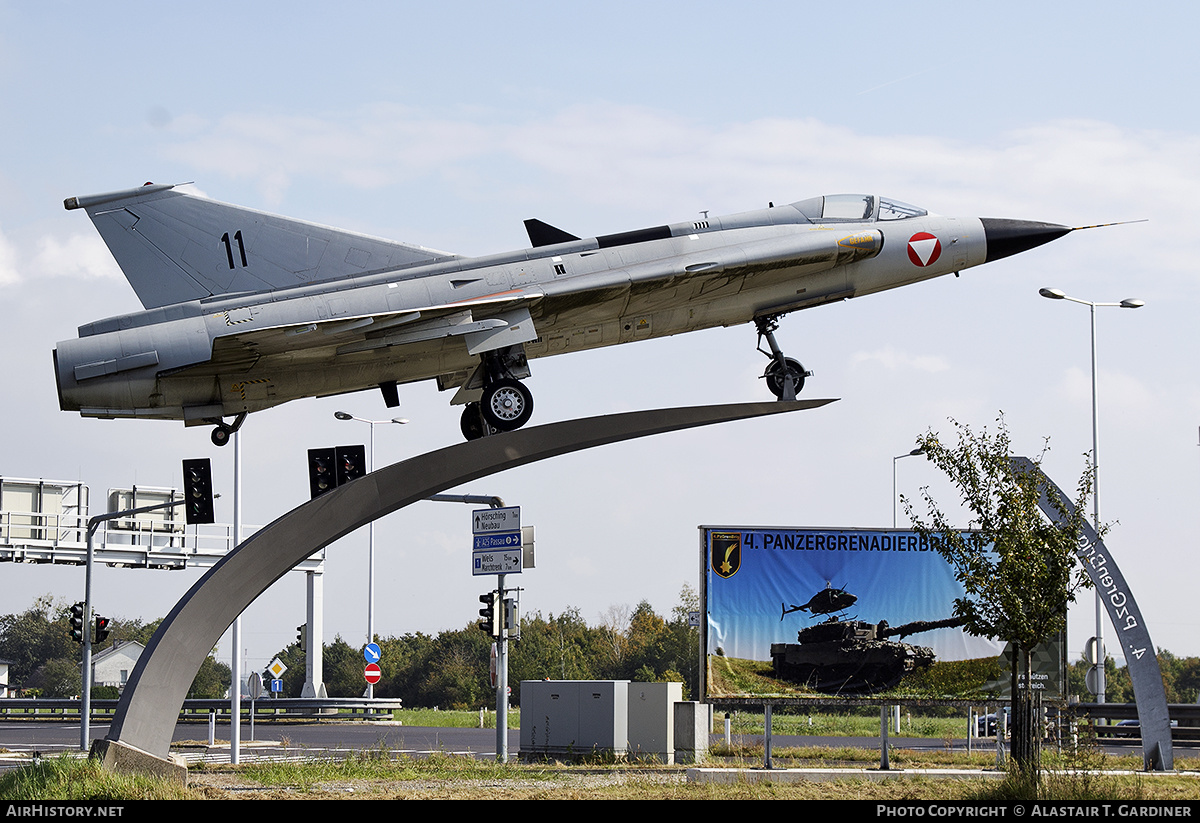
[(574, 717), (652, 720)]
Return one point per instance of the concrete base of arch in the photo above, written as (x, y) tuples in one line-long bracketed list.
[(119, 757), (146, 715)]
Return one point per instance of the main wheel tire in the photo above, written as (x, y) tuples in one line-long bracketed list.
[(472, 423), (777, 374), (220, 435), (507, 405)]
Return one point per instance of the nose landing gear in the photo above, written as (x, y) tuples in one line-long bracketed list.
[(784, 375)]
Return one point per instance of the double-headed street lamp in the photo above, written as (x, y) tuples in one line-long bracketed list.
[(341, 415), (1128, 303)]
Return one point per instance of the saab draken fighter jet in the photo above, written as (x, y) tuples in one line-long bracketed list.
[(246, 310)]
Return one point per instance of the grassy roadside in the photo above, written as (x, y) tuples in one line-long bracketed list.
[(826, 724), (438, 719), (379, 775)]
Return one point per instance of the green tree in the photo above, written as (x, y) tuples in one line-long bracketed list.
[(36, 636), (57, 678), (647, 645), (212, 680), (403, 662), (559, 647), (457, 677), (683, 642), (1018, 569), (343, 669)]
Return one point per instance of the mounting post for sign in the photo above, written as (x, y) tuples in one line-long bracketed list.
[(501, 682)]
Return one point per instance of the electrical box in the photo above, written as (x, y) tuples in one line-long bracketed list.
[(574, 718), (652, 720)]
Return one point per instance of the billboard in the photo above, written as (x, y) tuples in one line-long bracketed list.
[(832, 611)]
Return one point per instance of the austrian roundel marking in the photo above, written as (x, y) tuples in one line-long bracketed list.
[(924, 249)]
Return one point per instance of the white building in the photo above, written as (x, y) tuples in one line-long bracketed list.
[(113, 666)]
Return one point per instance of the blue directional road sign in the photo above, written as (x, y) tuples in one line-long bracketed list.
[(371, 653), (503, 540), (505, 561)]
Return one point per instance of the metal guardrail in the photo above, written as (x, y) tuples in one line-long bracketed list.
[(282, 708), (1185, 719), (1128, 711)]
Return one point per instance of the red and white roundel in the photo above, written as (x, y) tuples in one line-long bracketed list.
[(924, 249)]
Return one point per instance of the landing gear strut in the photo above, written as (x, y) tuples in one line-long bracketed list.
[(784, 375), (221, 434), (472, 424), (506, 404)]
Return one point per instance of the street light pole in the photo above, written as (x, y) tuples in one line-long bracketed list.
[(341, 415), (1127, 303), (914, 453)]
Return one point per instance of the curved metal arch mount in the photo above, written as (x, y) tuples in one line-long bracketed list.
[(1154, 717), (139, 737)]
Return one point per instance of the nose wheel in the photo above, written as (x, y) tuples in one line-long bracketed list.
[(785, 378), (784, 375)]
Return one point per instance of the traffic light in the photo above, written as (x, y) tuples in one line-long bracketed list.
[(102, 624), (77, 622), (330, 468), (512, 621), (301, 640), (321, 475), (198, 491), (490, 613), (351, 463)]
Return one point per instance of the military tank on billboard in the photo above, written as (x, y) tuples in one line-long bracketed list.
[(851, 656)]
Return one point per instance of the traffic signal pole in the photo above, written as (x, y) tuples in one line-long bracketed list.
[(501, 680), (85, 709)]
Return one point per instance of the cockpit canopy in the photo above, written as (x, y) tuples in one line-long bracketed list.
[(855, 208)]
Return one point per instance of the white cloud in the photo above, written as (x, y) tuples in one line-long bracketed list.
[(8, 263), (80, 255), (1074, 171), (899, 361)]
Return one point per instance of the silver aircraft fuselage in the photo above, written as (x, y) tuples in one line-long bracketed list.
[(242, 315)]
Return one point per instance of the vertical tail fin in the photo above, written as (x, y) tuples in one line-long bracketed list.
[(174, 247)]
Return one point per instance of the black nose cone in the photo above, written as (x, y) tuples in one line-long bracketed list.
[(1009, 237)]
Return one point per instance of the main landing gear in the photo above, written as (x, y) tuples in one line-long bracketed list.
[(784, 375), (506, 404)]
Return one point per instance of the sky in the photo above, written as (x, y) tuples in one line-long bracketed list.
[(448, 124)]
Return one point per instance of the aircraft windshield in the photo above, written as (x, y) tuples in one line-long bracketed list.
[(856, 208), (848, 207), (895, 210)]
